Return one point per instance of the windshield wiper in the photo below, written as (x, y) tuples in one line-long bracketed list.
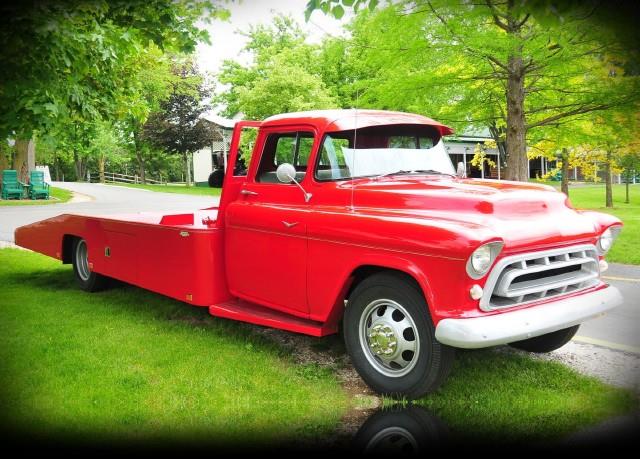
[(416, 171)]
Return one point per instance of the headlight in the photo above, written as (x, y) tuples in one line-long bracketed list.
[(482, 258), (607, 237)]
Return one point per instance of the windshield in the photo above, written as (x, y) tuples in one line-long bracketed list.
[(381, 154)]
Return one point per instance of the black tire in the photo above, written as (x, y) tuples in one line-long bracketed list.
[(547, 343), (407, 430), (216, 178), (87, 279), (425, 369)]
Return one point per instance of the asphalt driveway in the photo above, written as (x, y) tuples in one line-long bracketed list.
[(100, 200)]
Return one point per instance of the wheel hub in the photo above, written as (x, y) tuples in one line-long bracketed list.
[(389, 337), (382, 340)]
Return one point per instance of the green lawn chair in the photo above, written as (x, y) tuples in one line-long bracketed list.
[(11, 186), (37, 186)]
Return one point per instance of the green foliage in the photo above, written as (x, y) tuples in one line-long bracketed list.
[(69, 59), (178, 127), (461, 62), (285, 74)]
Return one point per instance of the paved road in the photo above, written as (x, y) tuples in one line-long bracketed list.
[(106, 199), (620, 329)]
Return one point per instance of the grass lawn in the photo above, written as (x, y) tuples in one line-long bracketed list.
[(626, 249), (57, 195), (181, 189), (128, 364), (503, 397)]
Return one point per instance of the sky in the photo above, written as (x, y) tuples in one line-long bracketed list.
[(226, 43)]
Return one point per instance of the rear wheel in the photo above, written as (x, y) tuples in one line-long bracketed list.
[(547, 343), (87, 279), (391, 340)]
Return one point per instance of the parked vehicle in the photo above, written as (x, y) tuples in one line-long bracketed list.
[(216, 178), (357, 218)]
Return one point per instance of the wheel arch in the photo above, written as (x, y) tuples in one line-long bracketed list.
[(362, 271), (67, 248)]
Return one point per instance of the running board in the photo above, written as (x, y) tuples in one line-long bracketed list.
[(244, 311)]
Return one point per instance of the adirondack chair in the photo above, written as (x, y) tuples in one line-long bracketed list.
[(11, 186), (37, 186)]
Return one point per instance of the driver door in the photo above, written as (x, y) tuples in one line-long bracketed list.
[(266, 228)]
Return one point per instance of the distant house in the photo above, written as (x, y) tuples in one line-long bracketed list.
[(461, 148), (205, 160)]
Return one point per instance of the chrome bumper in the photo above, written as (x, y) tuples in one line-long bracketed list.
[(507, 327)]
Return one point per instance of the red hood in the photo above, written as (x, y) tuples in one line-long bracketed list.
[(521, 214)]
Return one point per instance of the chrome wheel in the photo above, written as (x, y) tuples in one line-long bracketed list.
[(82, 261), (389, 338)]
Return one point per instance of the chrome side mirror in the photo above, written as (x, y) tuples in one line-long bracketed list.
[(461, 172), (286, 173)]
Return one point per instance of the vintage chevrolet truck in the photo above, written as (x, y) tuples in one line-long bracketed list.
[(357, 219)]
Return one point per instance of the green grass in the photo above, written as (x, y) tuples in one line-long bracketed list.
[(505, 397), (57, 196), (180, 189), (626, 249), (126, 364), (133, 365)]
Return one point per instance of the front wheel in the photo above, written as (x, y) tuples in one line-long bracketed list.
[(87, 279), (391, 340), (547, 343)]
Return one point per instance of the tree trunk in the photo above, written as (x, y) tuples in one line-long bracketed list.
[(626, 198), (101, 161), (77, 163), (607, 180), (25, 159), (497, 135), (517, 160), (564, 187), (187, 168), (139, 157)]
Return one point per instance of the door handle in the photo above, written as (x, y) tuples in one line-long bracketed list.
[(248, 193)]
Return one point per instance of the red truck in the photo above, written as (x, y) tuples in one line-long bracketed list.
[(357, 219)]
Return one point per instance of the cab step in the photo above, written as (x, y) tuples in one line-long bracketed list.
[(245, 311)]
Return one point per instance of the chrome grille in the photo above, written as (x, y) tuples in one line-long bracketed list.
[(523, 278)]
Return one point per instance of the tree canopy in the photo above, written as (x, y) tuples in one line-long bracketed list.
[(73, 58), (283, 76), (506, 65)]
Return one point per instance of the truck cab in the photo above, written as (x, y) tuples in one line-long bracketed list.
[(356, 221)]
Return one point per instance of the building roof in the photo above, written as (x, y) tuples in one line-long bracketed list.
[(219, 120)]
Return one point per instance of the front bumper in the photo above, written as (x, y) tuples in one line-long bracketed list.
[(508, 327)]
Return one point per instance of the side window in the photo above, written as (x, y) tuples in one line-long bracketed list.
[(291, 147), (305, 143), (332, 164), (285, 149)]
